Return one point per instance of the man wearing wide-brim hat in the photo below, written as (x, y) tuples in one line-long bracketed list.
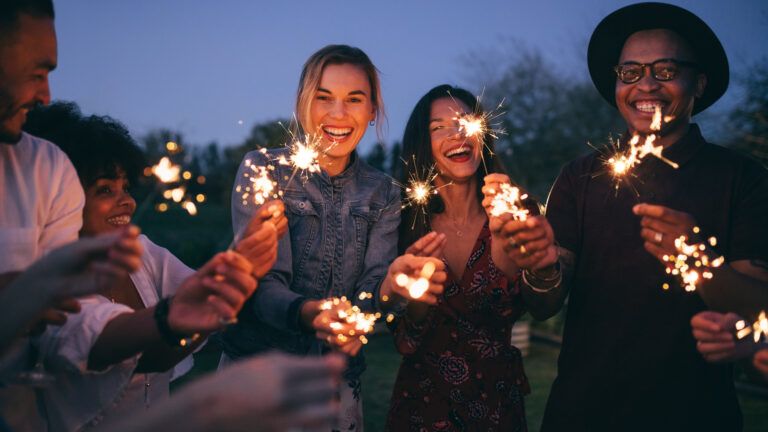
[(628, 359)]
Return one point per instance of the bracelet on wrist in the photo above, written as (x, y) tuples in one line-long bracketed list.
[(169, 336), (540, 285)]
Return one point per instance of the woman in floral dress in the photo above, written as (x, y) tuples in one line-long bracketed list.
[(459, 370)]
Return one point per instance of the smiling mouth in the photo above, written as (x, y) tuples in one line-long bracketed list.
[(337, 133), (119, 220), (648, 106), (458, 152)]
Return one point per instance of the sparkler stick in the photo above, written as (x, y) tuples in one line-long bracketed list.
[(758, 329), (693, 262)]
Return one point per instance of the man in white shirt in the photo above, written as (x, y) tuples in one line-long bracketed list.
[(42, 199)]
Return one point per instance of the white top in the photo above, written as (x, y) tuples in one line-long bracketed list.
[(81, 398), (42, 205), (41, 209)]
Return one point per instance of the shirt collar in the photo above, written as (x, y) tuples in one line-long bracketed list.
[(686, 147)]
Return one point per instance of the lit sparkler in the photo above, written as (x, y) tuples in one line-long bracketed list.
[(348, 314), (758, 329), (419, 285), (621, 163), (480, 124), (303, 155), (166, 171), (693, 262), (419, 189), (172, 182), (261, 187), (509, 200)]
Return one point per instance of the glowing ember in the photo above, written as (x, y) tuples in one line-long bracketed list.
[(509, 200), (347, 313), (416, 286), (758, 329), (166, 171), (693, 262)]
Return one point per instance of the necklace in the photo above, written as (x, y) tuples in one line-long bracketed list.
[(457, 227)]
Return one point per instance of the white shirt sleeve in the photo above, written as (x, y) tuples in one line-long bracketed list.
[(67, 347)]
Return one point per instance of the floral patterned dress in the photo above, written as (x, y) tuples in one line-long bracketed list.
[(459, 370)]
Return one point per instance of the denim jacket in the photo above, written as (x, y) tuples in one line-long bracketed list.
[(342, 236)]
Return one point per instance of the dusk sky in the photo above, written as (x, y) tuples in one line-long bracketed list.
[(212, 69)]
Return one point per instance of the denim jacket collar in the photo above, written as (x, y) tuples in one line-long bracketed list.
[(349, 172)]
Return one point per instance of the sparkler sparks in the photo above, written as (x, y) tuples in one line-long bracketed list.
[(419, 189), (481, 124), (416, 286), (303, 155), (166, 171), (621, 163), (348, 314), (172, 182), (261, 186), (758, 329), (693, 262), (509, 200)]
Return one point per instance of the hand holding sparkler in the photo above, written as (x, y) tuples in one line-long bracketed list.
[(661, 226), (415, 278), (342, 325), (528, 241), (261, 235), (213, 295), (717, 337), (500, 198)]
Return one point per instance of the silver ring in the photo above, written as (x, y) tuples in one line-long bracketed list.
[(658, 237)]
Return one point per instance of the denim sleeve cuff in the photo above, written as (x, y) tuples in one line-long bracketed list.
[(293, 315)]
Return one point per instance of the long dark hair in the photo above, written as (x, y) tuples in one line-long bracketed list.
[(417, 155)]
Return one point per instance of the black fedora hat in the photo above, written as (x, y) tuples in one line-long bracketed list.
[(609, 36)]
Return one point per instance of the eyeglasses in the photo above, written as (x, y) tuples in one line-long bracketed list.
[(661, 70)]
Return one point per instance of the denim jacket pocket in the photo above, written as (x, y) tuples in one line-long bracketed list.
[(364, 217), (304, 224)]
